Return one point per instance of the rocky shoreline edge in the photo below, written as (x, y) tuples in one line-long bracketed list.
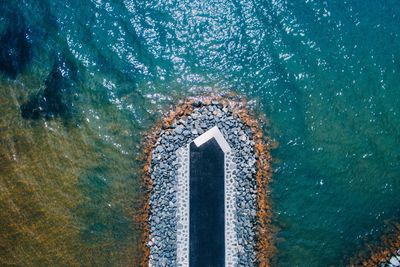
[(385, 254), (237, 110)]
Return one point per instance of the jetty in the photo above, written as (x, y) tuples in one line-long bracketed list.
[(204, 203)]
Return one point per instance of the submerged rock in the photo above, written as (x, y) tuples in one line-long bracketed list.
[(16, 47), (57, 99)]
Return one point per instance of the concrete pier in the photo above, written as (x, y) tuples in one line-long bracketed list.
[(207, 220), (203, 203)]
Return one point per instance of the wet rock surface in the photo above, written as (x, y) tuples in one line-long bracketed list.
[(165, 164)]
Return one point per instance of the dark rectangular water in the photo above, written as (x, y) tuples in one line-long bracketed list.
[(207, 238)]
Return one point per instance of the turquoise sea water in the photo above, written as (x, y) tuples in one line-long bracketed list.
[(81, 81)]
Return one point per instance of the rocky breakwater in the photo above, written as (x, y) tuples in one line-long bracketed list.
[(388, 260), (249, 166), (393, 261), (385, 253)]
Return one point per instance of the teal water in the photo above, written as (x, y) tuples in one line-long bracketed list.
[(81, 81)]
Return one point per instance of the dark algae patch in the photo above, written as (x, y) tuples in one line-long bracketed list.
[(58, 97), (16, 45)]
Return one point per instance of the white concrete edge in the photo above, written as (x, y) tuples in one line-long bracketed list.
[(187, 181), (225, 213), (183, 239), (216, 133), (182, 259), (230, 211)]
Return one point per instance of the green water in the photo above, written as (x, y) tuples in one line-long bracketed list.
[(81, 81)]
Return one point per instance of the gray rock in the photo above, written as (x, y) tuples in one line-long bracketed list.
[(179, 129), (179, 226), (159, 149), (394, 261), (195, 116)]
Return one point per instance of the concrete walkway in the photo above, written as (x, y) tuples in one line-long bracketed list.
[(207, 220), (206, 235)]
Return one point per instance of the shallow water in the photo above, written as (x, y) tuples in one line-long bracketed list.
[(85, 80)]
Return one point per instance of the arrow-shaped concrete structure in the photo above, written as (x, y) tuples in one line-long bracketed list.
[(206, 201)]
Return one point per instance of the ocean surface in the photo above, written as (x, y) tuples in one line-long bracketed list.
[(82, 81)]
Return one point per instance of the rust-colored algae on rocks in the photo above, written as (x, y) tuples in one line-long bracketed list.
[(148, 144), (142, 217), (380, 253), (265, 245), (238, 107)]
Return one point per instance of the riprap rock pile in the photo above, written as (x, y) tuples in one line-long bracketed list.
[(180, 128)]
